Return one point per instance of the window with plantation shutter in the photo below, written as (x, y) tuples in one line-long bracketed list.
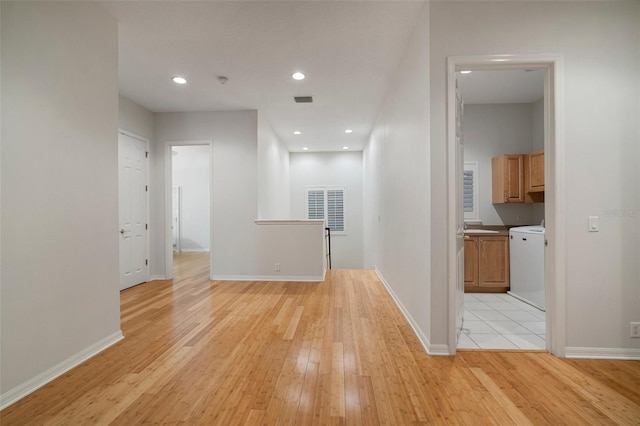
[(470, 191), (335, 209), (328, 203), (315, 204)]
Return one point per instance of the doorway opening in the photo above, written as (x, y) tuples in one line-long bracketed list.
[(188, 210), (552, 212), (503, 123)]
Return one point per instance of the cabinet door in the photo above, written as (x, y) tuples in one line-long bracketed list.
[(470, 262), (514, 188), (536, 171), (493, 260), (507, 174)]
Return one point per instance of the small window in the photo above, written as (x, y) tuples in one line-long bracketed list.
[(470, 192), (328, 203)]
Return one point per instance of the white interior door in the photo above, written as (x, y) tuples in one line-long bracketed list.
[(132, 177), (459, 213)]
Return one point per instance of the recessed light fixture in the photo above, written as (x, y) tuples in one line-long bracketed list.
[(348, 131), (297, 132), (305, 148), (298, 76), (345, 147), (465, 72), (177, 79)]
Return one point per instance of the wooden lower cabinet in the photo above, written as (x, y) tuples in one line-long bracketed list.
[(486, 263), (470, 262)]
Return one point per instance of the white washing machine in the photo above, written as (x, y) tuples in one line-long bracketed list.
[(526, 256)]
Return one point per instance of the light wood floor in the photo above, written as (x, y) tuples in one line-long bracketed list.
[(337, 352)]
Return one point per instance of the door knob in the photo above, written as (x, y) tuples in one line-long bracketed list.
[(122, 231)]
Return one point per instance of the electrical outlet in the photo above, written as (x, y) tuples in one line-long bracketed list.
[(277, 267), (634, 329)]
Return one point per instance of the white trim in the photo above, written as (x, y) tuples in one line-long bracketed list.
[(157, 278), (603, 353), (555, 256), (428, 347), (168, 178), (148, 212), (272, 278), (31, 385)]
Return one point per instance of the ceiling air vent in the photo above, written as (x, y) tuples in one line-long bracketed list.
[(303, 99)]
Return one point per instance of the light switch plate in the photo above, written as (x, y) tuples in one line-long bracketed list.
[(593, 224)]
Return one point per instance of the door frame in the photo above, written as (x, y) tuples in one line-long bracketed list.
[(147, 212), (168, 215), (555, 216)]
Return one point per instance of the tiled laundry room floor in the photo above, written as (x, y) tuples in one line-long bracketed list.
[(500, 321)]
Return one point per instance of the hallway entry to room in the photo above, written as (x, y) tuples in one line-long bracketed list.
[(188, 215)]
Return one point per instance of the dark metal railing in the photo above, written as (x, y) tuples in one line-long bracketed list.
[(328, 237)]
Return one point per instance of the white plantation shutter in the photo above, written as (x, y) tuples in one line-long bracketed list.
[(335, 209), (328, 203), (470, 191), (315, 204)]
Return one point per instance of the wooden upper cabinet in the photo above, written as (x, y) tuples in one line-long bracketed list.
[(535, 171), (507, 179)]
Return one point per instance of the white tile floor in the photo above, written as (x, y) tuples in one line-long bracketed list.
[(500, 321)]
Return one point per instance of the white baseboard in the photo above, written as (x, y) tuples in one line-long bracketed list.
[(603, 353), (157, 278), (288, 278), (440, 350), (31, 385)]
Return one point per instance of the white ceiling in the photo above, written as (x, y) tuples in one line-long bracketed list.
[(348, 50), (501, 87)]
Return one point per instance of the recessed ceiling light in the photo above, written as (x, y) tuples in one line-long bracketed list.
[(297, 132), (465, 72), (298, 76), (305, 148), (348, 131), (179, 79), (345, 147)]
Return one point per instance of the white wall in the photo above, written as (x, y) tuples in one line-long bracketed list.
[(599, 43), (135, 118), (60, 293), (491, 130), (234, 186), (273, 174), (326, 169), (191, 172), (397, 185), (297, 247)]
